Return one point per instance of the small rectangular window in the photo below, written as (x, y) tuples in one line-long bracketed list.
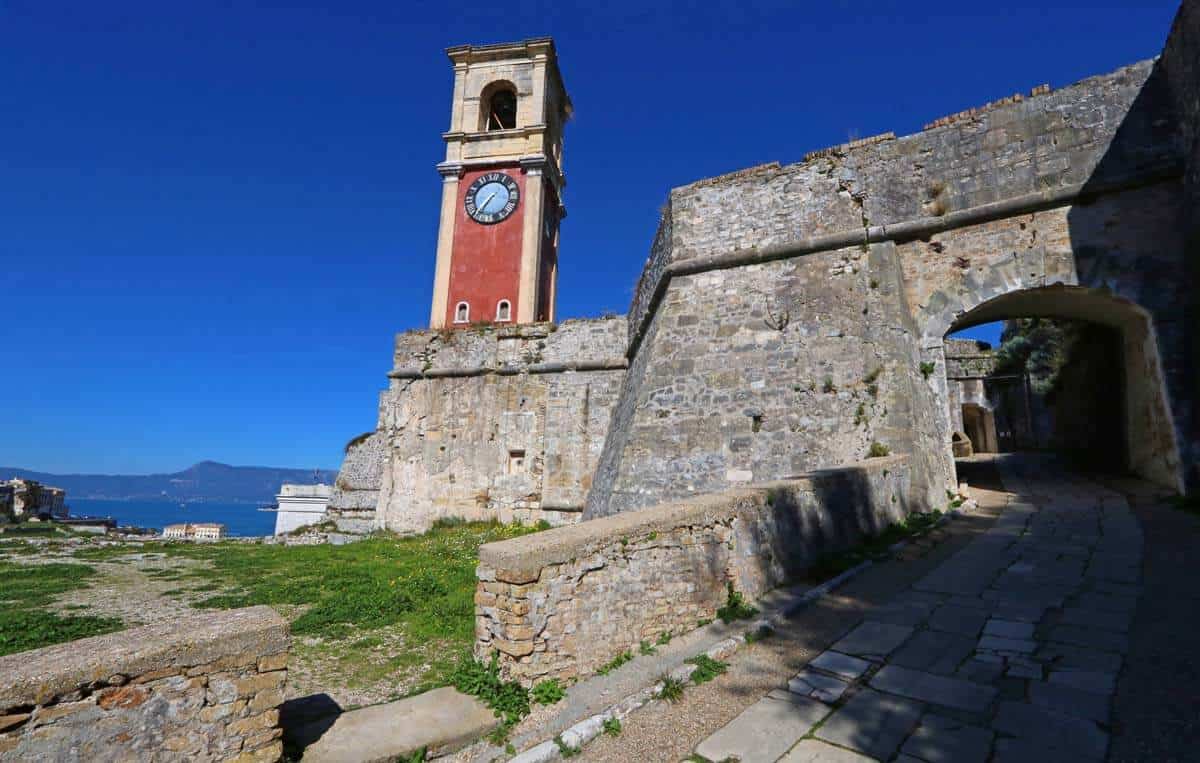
[(516, 462)]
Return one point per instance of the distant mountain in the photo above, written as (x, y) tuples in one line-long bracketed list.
[(206, 481)]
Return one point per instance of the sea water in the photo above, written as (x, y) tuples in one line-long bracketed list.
[(240, 519)]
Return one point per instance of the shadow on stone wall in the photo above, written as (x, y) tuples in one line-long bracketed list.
[(1133, 245)]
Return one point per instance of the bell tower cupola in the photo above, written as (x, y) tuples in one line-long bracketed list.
[(502, 186)]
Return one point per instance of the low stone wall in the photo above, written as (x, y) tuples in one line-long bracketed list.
[(204, 688), (563, 602)]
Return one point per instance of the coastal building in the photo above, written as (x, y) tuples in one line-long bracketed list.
[(300, 505), (24, 499), (195, 531)]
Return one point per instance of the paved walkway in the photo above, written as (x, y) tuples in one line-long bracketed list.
[(1009, 650)]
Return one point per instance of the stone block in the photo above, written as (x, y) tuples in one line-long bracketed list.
[(934, 652), (272, 662), (442, 721), (513, 648), (872, 640), (939, 690), (1057, 731), (943, 740), (12, 721), (872, 723), (809, 683), (269, 754), (1072, 702), (1094, 681), (764, 731), (254, 723), (265, 700), (248, 686), (814, 751), (1008, 629)]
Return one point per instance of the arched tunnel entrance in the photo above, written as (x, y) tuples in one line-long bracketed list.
[(1079, 374)]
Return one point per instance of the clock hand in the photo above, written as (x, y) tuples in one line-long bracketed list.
[(483, 206)]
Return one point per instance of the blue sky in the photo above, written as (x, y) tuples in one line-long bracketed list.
[(214, 217)]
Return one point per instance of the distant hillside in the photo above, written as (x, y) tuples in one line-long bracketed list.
[(206, 481)]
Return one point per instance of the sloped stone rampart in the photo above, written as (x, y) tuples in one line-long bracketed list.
[(201, 688), (563, 602)]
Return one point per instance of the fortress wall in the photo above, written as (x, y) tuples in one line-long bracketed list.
[(734, 251), (757, 373), (1181, 64), (563, 602), (502, 423), (202, 687), (357, 486)]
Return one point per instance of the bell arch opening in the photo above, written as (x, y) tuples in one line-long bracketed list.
[(1078, 374)]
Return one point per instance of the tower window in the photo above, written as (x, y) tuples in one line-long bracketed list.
[(462, 313), (502, 109), (516, 461), (504, 311)]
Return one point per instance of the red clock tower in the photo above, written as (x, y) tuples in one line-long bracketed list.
[(502, 183)]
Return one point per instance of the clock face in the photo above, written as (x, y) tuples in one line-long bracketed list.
[(492, 198)]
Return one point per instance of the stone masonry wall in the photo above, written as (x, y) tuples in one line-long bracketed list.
[(1181, 64), (504, 423), (201, 688), (757, 373), (771, 285), (563, 602)]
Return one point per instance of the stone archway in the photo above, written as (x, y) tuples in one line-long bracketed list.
[(1149, 449)]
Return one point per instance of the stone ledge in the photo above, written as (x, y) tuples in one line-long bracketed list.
[(520, 560), (35, 677)]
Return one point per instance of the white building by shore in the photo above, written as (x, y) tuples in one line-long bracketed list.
[(300, 505), (196, 531)]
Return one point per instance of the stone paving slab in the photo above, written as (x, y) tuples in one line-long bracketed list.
[(934, 652), (939, 690), (839, 664), (1094, 681), (939, 740), (1009, 645), (814, 751), (810, 683), (1008, 629), (1105, 641), (1090, 618), (1073, 702), (1051, 729), (873, 641), (872, 723), (963, 620), (764, 731), (1078, 657)]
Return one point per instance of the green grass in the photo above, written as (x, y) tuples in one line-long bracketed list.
[(25, 591), (425, 583)]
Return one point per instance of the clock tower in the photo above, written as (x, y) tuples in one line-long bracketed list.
[(502, 183)]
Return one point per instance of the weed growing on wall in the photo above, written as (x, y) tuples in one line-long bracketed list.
[(736, 607), (671, 690), (706, 668), (547, 692), (615, 663), (612, 726), (508, 699)]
